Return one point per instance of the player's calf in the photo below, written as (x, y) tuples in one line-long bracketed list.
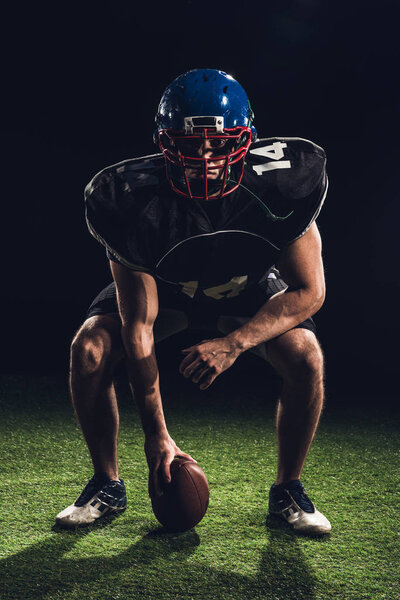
[(95, 352)]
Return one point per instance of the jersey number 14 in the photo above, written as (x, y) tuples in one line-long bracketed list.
[(275, 153)]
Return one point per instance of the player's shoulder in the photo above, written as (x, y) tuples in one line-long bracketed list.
[(131, 174), (296, 165), (116, 199), (297, 147)]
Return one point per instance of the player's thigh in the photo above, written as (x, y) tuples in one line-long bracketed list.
[(295, 355), (169, 320)]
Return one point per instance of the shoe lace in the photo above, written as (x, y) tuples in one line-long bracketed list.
[(297, 491), (93, 485)]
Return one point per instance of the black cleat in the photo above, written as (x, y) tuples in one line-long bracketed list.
[(291, 502), (100, 496)]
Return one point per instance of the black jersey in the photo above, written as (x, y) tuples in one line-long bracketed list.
[(208, 250)]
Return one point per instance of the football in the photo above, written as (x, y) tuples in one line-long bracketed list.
[(185, 500)]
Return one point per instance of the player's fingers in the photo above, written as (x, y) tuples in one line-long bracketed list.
[(152, 491), (208, 381), (154, 480), (165, 471), (185, 362), (181, 454), (191, 368), (190, 348), (199, 374)]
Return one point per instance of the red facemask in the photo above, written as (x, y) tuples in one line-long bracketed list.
[(205, 177)]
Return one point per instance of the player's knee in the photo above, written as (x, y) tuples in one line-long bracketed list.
[(307, 368), (298, 359), (90, 351)]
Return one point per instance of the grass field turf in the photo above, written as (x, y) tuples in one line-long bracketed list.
[(236, 552)]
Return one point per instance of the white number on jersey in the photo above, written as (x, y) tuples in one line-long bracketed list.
[(273, 152), (226, 290), (189, 287)]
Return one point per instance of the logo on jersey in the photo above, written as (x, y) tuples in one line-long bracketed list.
[(225, 290)]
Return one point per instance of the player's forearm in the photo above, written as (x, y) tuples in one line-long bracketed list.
[(143, 376), (278, 315)]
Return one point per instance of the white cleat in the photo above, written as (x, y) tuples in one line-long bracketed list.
[(101, 496), (290, 502)]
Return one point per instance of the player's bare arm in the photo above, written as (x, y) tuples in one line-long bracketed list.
[(302, 269), (301, 266), (138, 306)]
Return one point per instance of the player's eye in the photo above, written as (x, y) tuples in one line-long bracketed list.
[(191, 146), (188, 146), (218, 143), (222, 146)]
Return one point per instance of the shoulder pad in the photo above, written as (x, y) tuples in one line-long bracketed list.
[(136, 172), (287, 176), (114, 201), (295, 165)]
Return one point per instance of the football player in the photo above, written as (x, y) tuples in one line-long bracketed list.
[(216, 232)]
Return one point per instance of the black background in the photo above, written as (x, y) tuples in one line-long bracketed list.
[(81, 87)]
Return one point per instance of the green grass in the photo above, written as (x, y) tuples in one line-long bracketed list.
[(236, 552)]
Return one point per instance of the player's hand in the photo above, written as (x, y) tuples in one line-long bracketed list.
[(208, 359), (160, 450)]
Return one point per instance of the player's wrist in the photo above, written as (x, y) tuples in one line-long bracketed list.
[(237, 343), (155, 429)]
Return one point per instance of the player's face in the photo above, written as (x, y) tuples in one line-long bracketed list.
[(205, 148), (201, 163)]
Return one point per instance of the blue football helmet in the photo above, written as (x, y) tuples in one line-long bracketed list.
[(204, 129)]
